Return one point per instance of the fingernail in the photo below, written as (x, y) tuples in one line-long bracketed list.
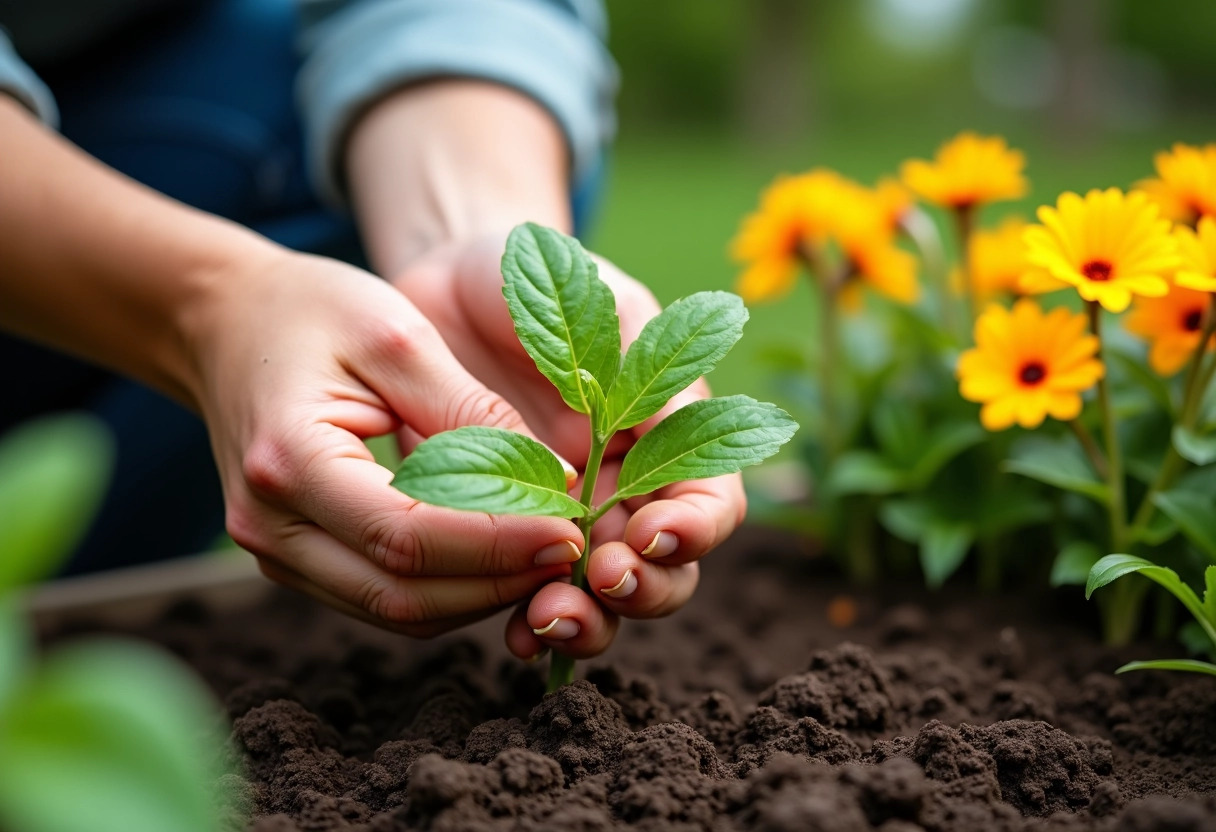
[(559, 629), (664, 544), (563, 551), (537, 656), (624, 587)]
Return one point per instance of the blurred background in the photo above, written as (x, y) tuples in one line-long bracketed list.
[(717, 98)]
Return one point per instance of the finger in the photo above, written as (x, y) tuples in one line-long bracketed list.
[(634, 587), (349, 495), (429, 629), (520, 640), (689, 520), (569, 621), (395, 600)]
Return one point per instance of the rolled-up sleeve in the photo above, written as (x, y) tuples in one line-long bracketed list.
[(19, 81), (551, 50)]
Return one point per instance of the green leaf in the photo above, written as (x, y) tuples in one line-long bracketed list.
[(564, 315), (487, 469), (599, 404), (1187, 665), (863, 471), (1058, 464), (1209, 594), (906, 519), (943, 444), (1137, 370), (707, 438), (1194, 447), (1195, 514), (131, 732), (53, 476), (675, 348), (942, 550), (16, 648), (1113, 567), (1073, 563), (899, 432)]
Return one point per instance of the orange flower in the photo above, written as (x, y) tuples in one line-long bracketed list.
[(996, 259), (968, 171), (1028, 365), (1172, 324), (1109, 246), (1198, 251), (1185, 187), (894, 200)]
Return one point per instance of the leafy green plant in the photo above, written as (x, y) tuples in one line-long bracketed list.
[(565, 317), (108, 736), (1113, 567)]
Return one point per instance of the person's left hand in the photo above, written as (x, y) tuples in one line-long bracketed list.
[(644, 561)]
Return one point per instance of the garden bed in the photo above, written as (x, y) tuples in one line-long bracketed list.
[(750, 709)]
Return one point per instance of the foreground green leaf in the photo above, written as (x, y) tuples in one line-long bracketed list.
[(1058, 464), (675, 348), (564, 315), (1195, 514), (53, 476), (707, 438), (1187, 665), (487, 469), (126, 730), (1192, 446), (1113, 567)]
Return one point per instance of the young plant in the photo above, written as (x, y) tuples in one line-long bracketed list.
[(123, 728), (565, 317), (1113, 567)]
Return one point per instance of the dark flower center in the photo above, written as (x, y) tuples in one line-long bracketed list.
[(1097, 270), (1192, 320), (1032, 373)]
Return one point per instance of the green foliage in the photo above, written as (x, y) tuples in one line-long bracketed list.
[(1195, 514), (1193, 446), (1057, 462), (565, 317), (488, 469), (53, 474), (124, 729), (1113, 567), (1074, 562)]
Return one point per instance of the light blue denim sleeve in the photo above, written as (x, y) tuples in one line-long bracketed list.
[(19, 81), (551, 50)]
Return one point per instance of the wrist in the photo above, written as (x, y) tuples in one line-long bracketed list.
[(447, 162)]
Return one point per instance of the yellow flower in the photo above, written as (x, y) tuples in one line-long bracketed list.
[(866, 239), (1172, 324), (968, 171), (996, 259), (794, 213), (1198, 251), (1108, 245), (1185, 187), (894, 200), (1028, 365)]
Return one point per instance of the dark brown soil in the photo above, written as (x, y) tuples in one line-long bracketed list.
[(746, 711)]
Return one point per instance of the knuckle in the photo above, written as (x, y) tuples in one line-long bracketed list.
[(402, 341), (485, 408), (395, 604), (269, 468), (392, 542), (243, 526)]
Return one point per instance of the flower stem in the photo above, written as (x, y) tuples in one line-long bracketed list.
[(1096, 458), (1193, 388), (828, 349), (561, 666), (964, 219), (1114, 455)]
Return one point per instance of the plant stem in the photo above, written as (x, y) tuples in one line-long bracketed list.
[(1114, 455), (964, 220), (828, 349), (561, 666), (1096, 458), (1193, 388)]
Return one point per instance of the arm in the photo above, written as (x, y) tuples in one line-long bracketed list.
[(291, 360)]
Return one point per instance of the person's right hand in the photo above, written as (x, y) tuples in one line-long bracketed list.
[(299, 359)]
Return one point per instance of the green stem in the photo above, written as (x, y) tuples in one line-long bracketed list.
[(1121, 611), (1114, 454), (828, 343), (859, 519), (1096, 458), (964, 220), (561, 666), (1194, 386)]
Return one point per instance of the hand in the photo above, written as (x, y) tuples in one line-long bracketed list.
[(300, 358), (644, 563)]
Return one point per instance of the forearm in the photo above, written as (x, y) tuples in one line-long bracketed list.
[(452, 160), (97, 265)]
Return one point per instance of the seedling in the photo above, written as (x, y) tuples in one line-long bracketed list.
[(565, 317), (1112, 567)]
